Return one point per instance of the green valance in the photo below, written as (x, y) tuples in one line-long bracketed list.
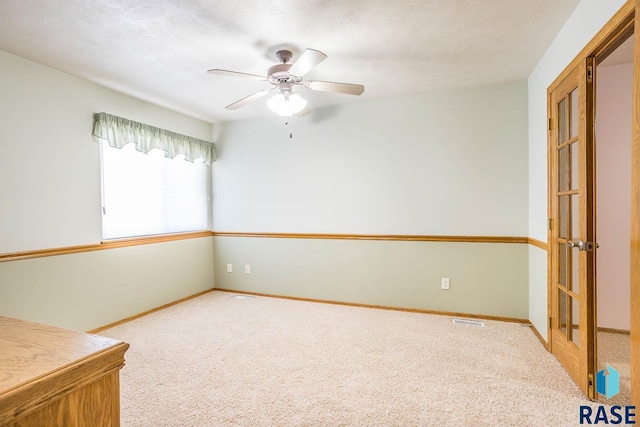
[(119, 132)]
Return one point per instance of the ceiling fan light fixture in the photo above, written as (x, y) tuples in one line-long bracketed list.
[(284, 77), (286, 105)]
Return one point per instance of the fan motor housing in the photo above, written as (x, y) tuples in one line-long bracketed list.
[(279, 73)]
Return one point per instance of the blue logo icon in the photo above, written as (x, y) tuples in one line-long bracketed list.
[(608, 383)]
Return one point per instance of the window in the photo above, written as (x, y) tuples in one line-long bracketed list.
[(147, 193), (147, 185)]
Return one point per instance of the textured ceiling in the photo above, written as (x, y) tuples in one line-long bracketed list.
[(160, 50)]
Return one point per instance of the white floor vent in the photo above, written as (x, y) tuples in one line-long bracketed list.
[(468, 322), (243, 297)]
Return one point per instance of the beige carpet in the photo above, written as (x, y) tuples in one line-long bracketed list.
[(220, 361)]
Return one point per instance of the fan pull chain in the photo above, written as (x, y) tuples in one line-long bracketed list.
[(290, 133)]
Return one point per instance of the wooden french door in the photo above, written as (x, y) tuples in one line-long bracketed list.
[(571, 225)]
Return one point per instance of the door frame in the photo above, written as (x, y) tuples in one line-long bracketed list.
[(635, 217), (604, 42)]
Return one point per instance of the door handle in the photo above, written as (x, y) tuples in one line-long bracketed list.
[(583, 246), (579, 244)]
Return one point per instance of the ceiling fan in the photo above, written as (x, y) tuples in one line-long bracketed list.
[(284, 77)]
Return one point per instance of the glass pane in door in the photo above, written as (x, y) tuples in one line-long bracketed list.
[(574, 259), (574, 254), (563, 169), (562, 121), (575, 166), (563, 213), (575, 320), (562, 264), (562, 311), (574, 227), (573, 107)]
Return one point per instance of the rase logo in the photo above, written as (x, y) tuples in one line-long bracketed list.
[(608, 385)]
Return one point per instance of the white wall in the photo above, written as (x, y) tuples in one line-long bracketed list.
[(50, 197), (587, 19), (442, 163), (49, 168), (613, 199)]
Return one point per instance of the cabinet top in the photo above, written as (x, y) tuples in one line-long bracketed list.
[(31, 350)]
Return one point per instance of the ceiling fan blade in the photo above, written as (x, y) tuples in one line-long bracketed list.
[(305, 112), (346, 88), (246, 100), (236, 74), (309, 59)]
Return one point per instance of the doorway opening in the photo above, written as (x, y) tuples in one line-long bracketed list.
[(613, 142)]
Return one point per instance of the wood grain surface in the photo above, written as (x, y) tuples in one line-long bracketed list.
[(52, 376)]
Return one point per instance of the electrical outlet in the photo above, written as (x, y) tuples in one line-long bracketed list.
[(247, 269), (445, 283), (229, 268)]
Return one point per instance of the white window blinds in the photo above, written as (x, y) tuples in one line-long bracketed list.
[(145, 192)]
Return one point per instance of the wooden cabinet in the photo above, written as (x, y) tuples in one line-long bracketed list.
[(54, 377)]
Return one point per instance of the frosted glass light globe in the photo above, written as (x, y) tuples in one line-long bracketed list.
[(286, 105)]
